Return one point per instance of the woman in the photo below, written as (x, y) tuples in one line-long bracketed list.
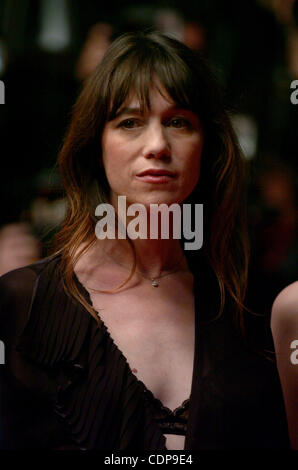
[(136, 343)]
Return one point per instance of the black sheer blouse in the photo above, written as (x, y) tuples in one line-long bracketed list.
[(66, 385)]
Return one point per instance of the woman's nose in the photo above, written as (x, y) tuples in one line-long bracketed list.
[(156, 142)]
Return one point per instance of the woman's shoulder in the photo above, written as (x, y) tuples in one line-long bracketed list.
[(285, 306), (17, 288), (22, 280)]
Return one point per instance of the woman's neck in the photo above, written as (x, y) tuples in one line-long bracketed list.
[(154, 253), (152, 256), (155, 256)]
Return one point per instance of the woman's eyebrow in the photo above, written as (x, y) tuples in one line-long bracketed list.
[(137, 110), (127, 110)]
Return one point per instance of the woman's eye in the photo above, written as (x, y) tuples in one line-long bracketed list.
[(129, 124), (179, 123)]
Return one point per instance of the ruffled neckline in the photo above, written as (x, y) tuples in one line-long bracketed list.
[(98, 400), (172, 413)]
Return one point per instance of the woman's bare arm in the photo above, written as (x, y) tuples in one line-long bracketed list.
[(284, 326)]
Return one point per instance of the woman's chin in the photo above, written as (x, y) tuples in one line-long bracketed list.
[(147, 201)]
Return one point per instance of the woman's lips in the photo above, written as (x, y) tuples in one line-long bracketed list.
[(156, 176)]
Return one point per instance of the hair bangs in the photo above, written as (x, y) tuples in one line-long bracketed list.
[(175, 78), (132, 77), (138, 72)]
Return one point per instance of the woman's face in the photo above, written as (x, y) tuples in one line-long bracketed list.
[(152, 157)]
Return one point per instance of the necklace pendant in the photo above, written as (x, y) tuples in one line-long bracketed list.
[(154, 283)]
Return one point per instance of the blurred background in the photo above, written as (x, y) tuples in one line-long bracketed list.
[(48, 48)]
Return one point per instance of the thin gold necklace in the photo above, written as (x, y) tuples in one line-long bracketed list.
[(154, 280)]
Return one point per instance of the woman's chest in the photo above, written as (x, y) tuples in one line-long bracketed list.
[(157, 339)]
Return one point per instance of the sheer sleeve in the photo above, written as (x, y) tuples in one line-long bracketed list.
[(65, 384), (26, 417), (16, 290)]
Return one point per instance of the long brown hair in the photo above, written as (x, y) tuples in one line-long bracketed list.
[(132, 62)]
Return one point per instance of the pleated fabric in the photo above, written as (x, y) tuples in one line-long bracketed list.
[(98, 399), (66, 385)]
